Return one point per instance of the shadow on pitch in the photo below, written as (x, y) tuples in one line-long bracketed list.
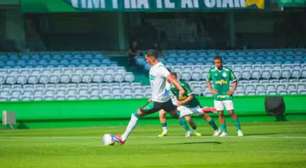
[(192, 143), (257, 134)]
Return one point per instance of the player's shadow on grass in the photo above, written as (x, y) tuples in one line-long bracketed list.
[(192, 143), (256, 134)]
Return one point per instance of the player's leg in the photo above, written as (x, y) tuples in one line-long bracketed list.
[(193, 125), (203, 112), (172, 109), (187, 113), (163, 122), (212, 124), (148, 109), (230, 109), (220, 108)]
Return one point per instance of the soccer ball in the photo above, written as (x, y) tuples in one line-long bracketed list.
[(107, 139)]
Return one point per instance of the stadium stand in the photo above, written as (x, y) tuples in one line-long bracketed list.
[(260, 71), (67, 75)]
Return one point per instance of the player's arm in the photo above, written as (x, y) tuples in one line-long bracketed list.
[(209, 85), (185, 101), (174, 82), (233, 88), (188, 92), (233, 85)]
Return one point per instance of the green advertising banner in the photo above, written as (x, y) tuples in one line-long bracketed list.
[(138, 5), (292, 3)]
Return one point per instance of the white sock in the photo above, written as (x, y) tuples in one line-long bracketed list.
[(165, 129), (130, 127)]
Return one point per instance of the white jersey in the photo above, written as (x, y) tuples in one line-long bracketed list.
[(158, 81)]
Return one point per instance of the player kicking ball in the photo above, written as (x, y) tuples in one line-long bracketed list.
[(160, 99), (222, 83), (188, 105)]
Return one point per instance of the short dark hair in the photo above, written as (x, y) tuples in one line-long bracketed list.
[(174, 74), (151, 53), (218, 58)]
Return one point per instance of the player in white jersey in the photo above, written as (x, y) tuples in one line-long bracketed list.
[(160, 99)]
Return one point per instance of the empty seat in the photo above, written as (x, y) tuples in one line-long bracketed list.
[(15, 95), (71, 94), (50, 94), (260, 90), (94, 94), (196, 76), (44, 79), (276, 74), (27, 95), (239, 91), (64, 79), (21, 80), (271, 90), (186, 76), (83, 94), (296, 74), (76, 78), (11, 80), (301, 87), (281, 89), (33, 79), (4, 95), (246, 75), (266, 75), (286, 74), (108, 78), (86, 78), (303, 73), (250, 90), (38, 95), (60, 94), (118, 78), (97, 78), (106, 93), (129, 77), (255, 75)]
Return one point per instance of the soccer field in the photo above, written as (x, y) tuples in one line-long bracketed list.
[(277, 144)]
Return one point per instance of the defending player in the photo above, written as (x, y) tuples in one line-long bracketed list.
[(188, 105), (222, 83), (160, 99)]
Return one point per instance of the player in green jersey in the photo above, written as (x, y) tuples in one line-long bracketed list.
[(222, 83), (188, 105)]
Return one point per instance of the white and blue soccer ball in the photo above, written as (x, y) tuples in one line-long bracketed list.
[(107, 139)]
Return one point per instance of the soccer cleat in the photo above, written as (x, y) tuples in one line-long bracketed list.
[(216, 133), (239, 133), (209, 110), (188, 134), (223, 134), (117, 138), (196, 133), (164, 133)]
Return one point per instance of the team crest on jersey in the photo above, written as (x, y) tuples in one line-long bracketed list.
[(224, 74)]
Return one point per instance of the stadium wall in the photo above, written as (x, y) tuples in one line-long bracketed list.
[(99, 112)]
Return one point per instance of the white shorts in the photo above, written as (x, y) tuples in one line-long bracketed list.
[(184, 111), (227, 104)]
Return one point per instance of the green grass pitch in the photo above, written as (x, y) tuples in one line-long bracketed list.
[(269, 144)]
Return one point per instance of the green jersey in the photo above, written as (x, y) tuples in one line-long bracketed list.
[(221, 81), (194, 102)]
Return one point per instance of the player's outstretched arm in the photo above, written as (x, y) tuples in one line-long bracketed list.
[(173, 81)]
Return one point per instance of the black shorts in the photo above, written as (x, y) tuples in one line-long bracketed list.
[(157, 106)]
